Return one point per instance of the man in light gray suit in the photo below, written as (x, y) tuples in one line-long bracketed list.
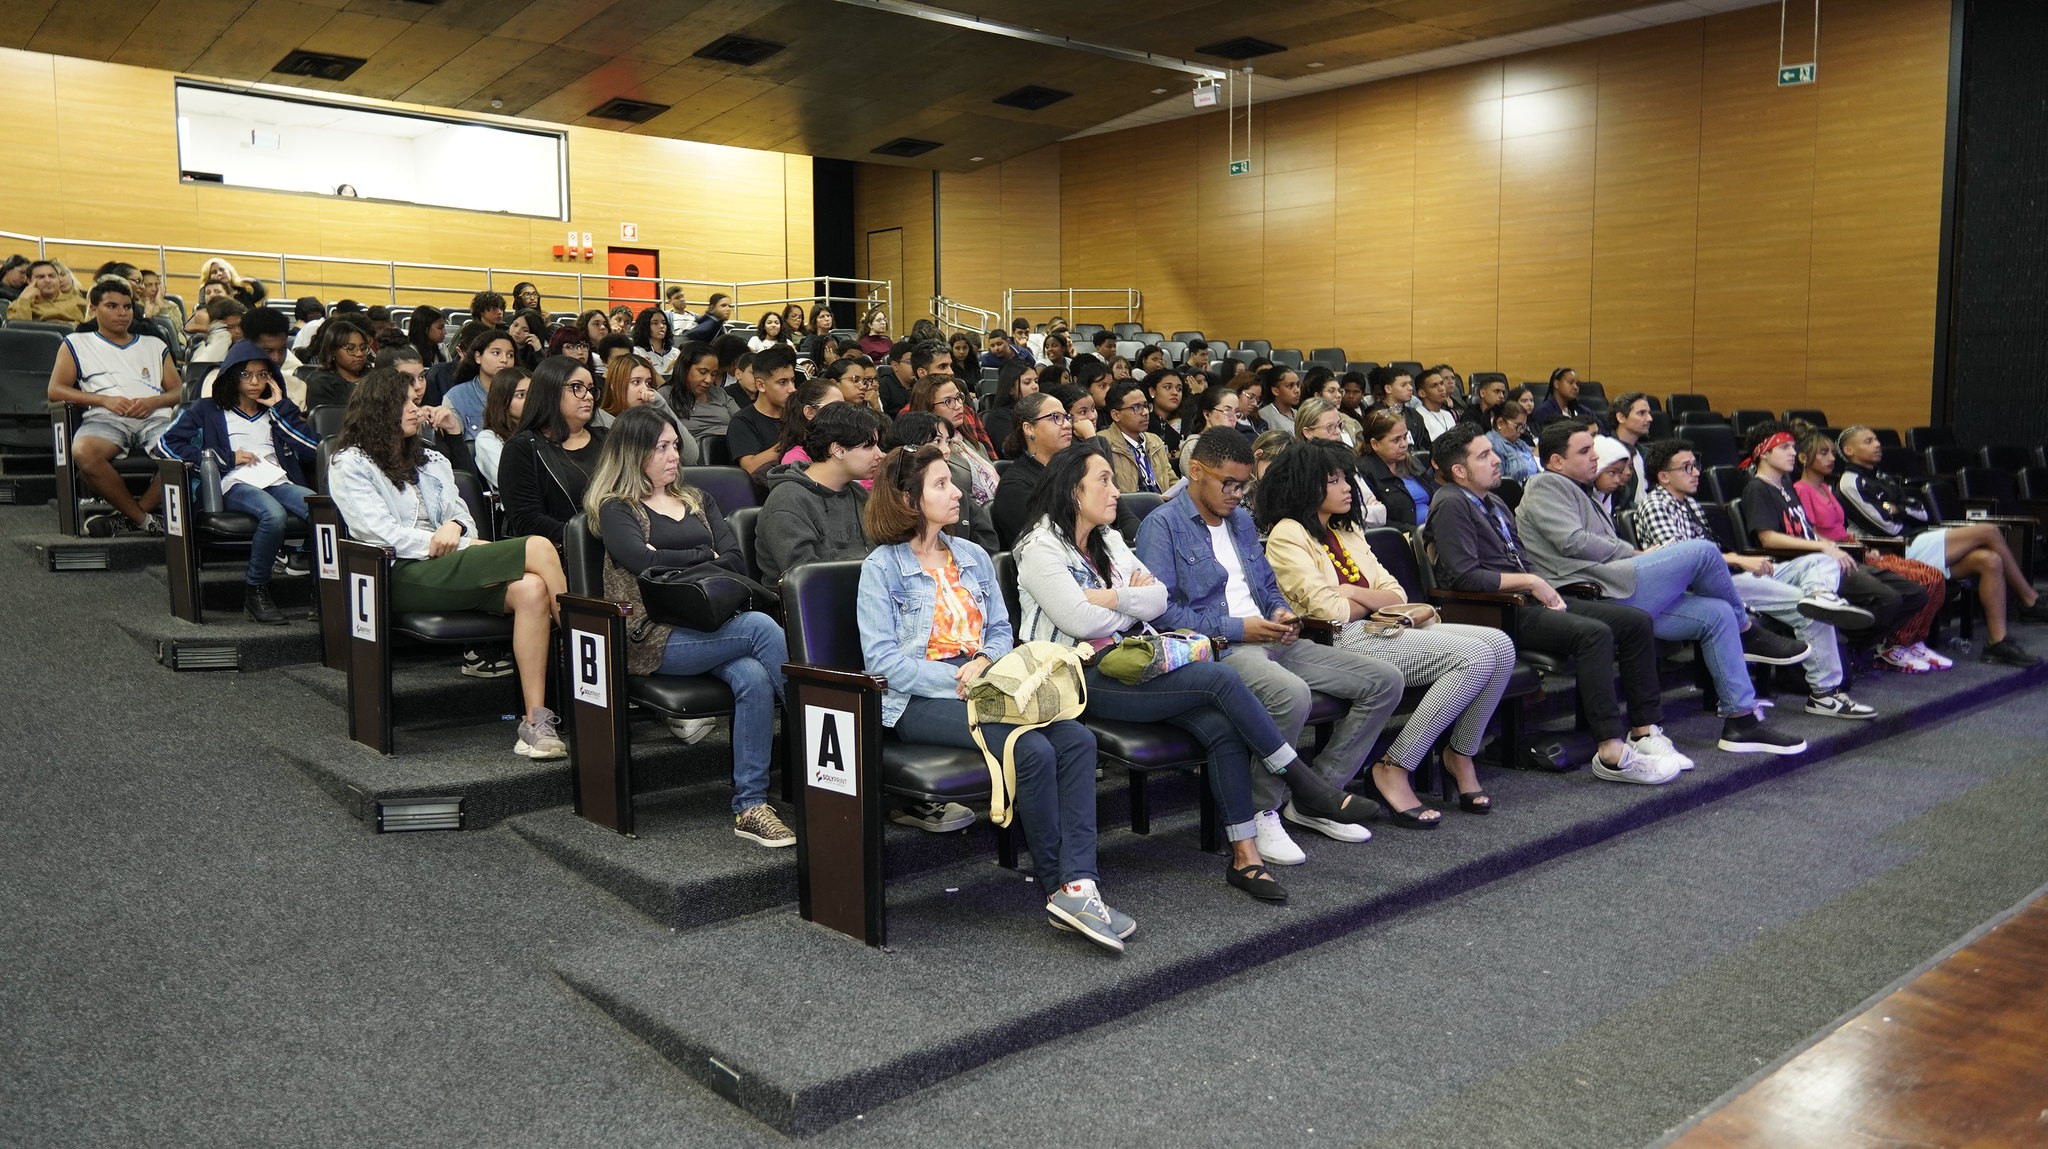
[(1684, 586)]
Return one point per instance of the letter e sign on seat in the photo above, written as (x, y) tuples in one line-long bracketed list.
[(828, 750)]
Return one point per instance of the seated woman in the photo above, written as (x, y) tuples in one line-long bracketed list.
[(1042, 430), (346, 344), (648, 517), (263, 447), (506, 402), (394, 492), (946, 397), (1389, 472), (932, 621), (488, 352), (1510, 438), (1318, 551), (1018, 378), (1905, 649), (1208, 409), (1077, 581), (803, 406), (1880, 505), (630, 380), (529, 331), (545, 469), (653, 340)]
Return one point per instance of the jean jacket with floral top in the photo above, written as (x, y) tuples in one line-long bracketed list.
[(895, 612)]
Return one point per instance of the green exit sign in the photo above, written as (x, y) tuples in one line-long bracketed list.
[(1240, 167), (1792, 74)]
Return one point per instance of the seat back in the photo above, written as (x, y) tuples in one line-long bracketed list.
[(742, 522), (1149, 337), (1139, 503), (1625, 528), (1702, 419), (1745, 418), (1902, 461), (582, 558), (1593, 393), (1176, 350), (2033, 482), (327, 419), (1482, 378), (1287, 357), (1410, 366), (1188, 336), (2007, 457), (1334, 356), (1813, 415), (1509, 492), (1259, 346), (1724, 484), (1725, 520), (1888, 437), (1127, 330), (1679, 404), (481, 506), (1128, 349), (1396, 552), (822, 627), (1921, 438), (1944, 501), (1362, 366), (729, 487), (26, 357), (1990, 483), (712, 451), (1006, 581), (1714, 443), (1947, 458)]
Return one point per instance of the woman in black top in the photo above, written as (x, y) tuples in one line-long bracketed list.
[(425, 331), (1389, 471), (346, 344), (545, 470), (1017, 380)]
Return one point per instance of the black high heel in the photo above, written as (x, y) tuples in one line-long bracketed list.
[(1411, 818)]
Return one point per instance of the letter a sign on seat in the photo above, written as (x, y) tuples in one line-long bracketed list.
[(829, 749)]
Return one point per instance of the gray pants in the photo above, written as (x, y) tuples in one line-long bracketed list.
[(1466, 669), (1282, 677), (1779, 595)]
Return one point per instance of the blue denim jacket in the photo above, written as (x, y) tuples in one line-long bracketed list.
[(1173, 543), (895, 613)]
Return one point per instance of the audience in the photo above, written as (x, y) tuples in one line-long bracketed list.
[(504, 405), (648, 517), (529, 337), (1632, 415), (1392, 475), (941, 395), (1137, 457), (630, 381), (217, 270), (804, 404), (653, 338), (1433, 408), (755, 430), (124, 380), (45, 300), (14, 277), (1283, 392), (488, 353), (394, 492), (1017, 378), (341, 362), (1563, 402), (1905, 649), (1169, 394), (874, 334), (425, 331), (1213, 408)]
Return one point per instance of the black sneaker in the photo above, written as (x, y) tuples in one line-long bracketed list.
[(1759, 644), (2035, 613), (105, 524), (2010, 653), (256, 600), (1747, 734), (476, 665)]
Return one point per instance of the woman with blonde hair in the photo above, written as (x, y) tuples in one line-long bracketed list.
[(648, 517), (218, 270)]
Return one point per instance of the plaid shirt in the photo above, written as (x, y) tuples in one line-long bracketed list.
[(1662, 517)]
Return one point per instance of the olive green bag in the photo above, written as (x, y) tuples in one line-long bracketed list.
[(1032, 687)]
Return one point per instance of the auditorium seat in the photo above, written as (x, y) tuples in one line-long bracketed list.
[(1691, 418), (1714, 443), (209, 531), (1287, 357), (1745, 419), (1887, 437), (1413, 368), (743, 522), (136, 468), (729, 487), (1902, 461), (1921, 438), (1188, 336), (1257, 346), (1723, 484), (26, 356), (1127, 330), (1682, 402), (1811, 415), (2009, 458), (1334, 356), (1947, 458)]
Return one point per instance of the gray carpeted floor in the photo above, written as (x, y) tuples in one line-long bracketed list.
[(200, 948)]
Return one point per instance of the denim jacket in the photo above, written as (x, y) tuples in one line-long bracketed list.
[(1173, 543), (895, 613)]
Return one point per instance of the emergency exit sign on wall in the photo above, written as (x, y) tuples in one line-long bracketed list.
[(1792, 74), (1240, 167)]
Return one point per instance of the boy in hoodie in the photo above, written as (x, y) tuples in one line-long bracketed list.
[(813, 510)]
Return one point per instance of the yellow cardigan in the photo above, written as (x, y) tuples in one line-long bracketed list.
[(1308, 578)]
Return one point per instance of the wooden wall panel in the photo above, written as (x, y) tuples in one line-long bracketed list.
[(1457, 215), (1548, 111), (1161, 198), (1300, 216), (884, 198), (714, 213), (971, 237), (1030, 225), (1378, 185)]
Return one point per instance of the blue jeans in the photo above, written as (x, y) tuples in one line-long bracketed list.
[(1210, 702), (746, 654), (1685, 589), (268, 506), (1055, 782)]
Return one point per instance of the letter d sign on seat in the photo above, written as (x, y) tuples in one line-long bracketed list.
[(323, 538), (362, 608)]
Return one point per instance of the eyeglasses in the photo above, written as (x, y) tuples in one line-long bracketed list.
[(1135, 408), (1057, 419), (1688, 468), (580, 390), (950, 401), (352, 349)]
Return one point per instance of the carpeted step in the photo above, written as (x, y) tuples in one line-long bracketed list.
[(226, 641), (815, 1028), (55, 552), (28, 490)]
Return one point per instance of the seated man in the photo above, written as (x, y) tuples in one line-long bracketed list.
[(754, 431), (45, 300), (1137, 457), (1477, 549), (1000, 349), (1201, 543), (813, 510), (1683, 587), (128, 384), (1800, 593)]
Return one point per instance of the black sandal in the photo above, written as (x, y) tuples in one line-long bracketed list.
[(1475, 802), (1255, 880), (1356, 812), (1411, 818)]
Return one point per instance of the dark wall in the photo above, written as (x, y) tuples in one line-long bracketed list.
[(1992, 364), (832, 240)]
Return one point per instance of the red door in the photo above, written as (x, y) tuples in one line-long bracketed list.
[(636, 276)]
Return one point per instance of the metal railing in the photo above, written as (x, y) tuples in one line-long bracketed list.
[(953, 315), (404, 283), (1104, 305)]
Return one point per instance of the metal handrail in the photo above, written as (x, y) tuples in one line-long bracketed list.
[(948, 312), (1070, 302), (591, 289)]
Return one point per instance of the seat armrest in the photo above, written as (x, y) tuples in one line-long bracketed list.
[(1582, 590), (1882, 543), (828, 676), (1321, 631), (1501, 597), (1994, 520), (596, 605)]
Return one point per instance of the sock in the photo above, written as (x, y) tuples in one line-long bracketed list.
[(1279, 760), (1312, 789), (1085, 888)]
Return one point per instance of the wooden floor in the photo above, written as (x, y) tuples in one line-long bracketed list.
[(1957, 1057)]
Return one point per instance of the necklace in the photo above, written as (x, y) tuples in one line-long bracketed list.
[(1347, 571)]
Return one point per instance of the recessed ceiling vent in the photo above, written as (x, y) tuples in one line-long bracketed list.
[(631, 111), (745, 51), (319, 65), (1242, 48), (905, 147), (1032, 98)]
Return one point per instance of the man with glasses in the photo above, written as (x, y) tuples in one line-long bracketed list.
[(128, 385), (1478, 549), (1803, 593), (754, 431), (1138, 458), (1202, 545)]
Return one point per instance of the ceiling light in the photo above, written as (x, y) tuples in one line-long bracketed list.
[(1315, 63), (973, 159), (1159, 91)]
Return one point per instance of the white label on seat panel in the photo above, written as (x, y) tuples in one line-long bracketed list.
[(362, 608), (829, 749), (586, 651)]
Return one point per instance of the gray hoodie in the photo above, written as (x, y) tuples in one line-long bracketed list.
[(803, 522)]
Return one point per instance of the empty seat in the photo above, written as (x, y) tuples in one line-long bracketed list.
[(1722, 484), (1947, 458), (2008, 457), (1127, 330), (1901, 460), (2033, 483), (1590, 391), (1188, 336), (1334, 356), (1362, 366), (1701, 419), (1287, 357), (1149, 337), (1921, 438), (1812, 415), (26, 357), (1888, 437), (1749, 417), (729, 487), (1413, 368), (1684, 401), (1258, 345), (1083, 332), (1176, 351), (1129, 349), (1714, 443)]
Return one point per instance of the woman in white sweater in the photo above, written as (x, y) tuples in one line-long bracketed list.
[(1077, 581), (393, 492)]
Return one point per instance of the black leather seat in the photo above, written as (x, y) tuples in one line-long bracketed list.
[(729, 487), (1714, 443), (672, 696)]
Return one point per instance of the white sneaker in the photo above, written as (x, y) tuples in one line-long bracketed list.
[(1656, 745), (1636, 768), (1926, 654), (690, 731), (1342, 831), (1904, 660), (1274, 845)]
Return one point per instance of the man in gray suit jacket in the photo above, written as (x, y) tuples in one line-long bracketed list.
[(1684, 586)]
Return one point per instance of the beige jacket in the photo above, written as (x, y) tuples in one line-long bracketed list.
[(66, 308), (1124, 465), (1307, 576)]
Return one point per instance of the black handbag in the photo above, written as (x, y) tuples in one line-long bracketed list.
[(703, 597)]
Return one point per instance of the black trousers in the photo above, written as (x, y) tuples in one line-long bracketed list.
[(1595, 636), (1888, 597)]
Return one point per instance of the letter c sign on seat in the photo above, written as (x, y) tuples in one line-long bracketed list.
[(362, 608)]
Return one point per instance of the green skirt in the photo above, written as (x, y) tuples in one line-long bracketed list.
[(473, 578)]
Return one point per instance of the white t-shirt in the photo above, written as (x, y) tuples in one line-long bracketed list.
[(1237, 592), (251, 434), (1437, 422), (132, 371)]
